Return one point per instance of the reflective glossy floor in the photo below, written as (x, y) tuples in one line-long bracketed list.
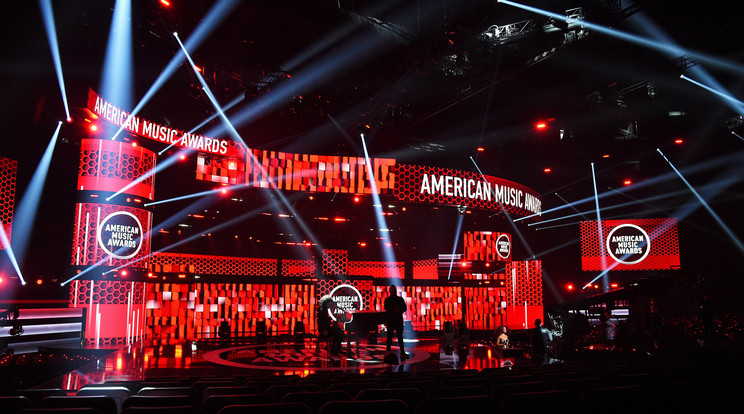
[(151, 360)]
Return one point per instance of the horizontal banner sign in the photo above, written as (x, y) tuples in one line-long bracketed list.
[(162, 133), (464, 188)]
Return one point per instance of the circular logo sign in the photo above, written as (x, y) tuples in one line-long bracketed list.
[(503, 246), (346, 299), (628, 244), (120, 235)]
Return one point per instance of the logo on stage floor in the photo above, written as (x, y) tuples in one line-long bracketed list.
[(628, 244), (120, 235), (346, 299), (280, 357)]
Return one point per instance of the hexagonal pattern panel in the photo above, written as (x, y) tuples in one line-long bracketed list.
[(8, 178)]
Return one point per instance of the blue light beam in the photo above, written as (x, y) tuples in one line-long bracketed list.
[(727, 97), (663, 47), (707, 207), (9, 250), (214, 17), (29, 205), (51, 31)]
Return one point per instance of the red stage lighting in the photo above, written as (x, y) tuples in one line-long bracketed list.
[(124, 273), (606, 156), (481, 149), (596, 286), (614, 285), (363, 244), (339, 219), (182, 157), (94, 127), (547, 170), (356, 199), (1, 280), (570, 286), (224, 191), (134, 144), (165, 3), (69, 120), (679, 141), (541, 125), (39, 281), (627, 182)]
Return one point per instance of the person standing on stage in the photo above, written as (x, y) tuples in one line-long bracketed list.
[(395, 307)]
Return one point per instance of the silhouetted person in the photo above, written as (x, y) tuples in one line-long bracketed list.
[(327, 327), (540, 337), (395, 307)]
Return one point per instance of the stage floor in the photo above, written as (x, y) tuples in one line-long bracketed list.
[(155, 359)]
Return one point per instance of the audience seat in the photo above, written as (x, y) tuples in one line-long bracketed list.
[(274, 408), (14, 403), (410, 396), (103, 404), (449, 405), (315, 399), (214, 403), (364, 407)]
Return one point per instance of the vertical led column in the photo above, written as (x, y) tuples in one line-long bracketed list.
[(111, 240)]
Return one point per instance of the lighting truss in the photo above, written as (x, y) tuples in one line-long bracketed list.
[(685, 62), (734, 122), (499, 35)]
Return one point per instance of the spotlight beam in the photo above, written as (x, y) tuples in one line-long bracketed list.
[(214, 17), (379, 217), (116, 80), (29, 205), (727, 97), (663, 47), (195, 195), (707, 207), (51, 31), (9, 250), (599, 227), (158, 168), (546, 278), (737, 135), (572, 206), (460, 219), (230, 104), (236, 136)]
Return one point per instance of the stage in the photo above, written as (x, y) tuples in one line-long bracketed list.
[(169, 359)]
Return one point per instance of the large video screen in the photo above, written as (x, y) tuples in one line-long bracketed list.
[(641, 244)]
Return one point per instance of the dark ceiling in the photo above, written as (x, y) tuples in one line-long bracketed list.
[(418, 79)]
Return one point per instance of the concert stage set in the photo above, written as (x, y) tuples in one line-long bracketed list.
[(194, 234)]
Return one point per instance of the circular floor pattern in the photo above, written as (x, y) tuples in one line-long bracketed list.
[(292, 357)]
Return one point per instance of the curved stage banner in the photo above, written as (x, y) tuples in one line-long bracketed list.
[(228, 162), (150, 130)]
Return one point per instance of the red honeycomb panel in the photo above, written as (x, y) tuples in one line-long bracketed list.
[(335, 262), (85, 248), (425, 269), (378, 270), (107, 165), (429, 307), (214, 265), (299, 268), (105, 292), (194, 311), (8, 178), (318, 173), (663, 253), (409, 188), (524, 283), (223, 170)]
